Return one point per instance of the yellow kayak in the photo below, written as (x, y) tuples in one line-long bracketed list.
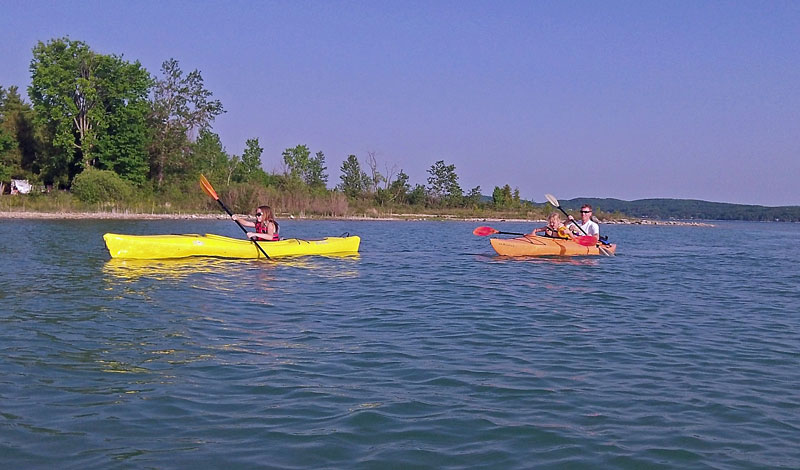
[(544, 246), (182, 246)]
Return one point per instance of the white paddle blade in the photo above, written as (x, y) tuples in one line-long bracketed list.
[(551, 199)]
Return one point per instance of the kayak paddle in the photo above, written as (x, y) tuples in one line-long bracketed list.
[(484, 231), (208, 189), (552, 200)]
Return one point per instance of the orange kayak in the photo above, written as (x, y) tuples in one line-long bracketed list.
[(544, 246)]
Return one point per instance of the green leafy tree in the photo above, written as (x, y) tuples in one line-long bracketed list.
[(65, 87), (210, 156), (180, 107), (315, 175), (354, 180), (302, 167), (5, 176), (17, 128), (6, 144), (395, 190), (418, 196), (443, 184), (400, 188), (248, 168), (5, 172), (77, 96), (233, 169), (296, 160), (501, 197), (251, 159), (123, 146), (473, 197)]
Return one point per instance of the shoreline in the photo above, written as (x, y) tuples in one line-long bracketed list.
[(393, 217)]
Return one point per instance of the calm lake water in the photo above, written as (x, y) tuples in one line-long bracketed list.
[(426, 351)]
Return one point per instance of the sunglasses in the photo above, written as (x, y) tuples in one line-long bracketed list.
[(259, 214), (586, 212)]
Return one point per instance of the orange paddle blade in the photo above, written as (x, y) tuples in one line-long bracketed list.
[(208, 188), (483, 231)]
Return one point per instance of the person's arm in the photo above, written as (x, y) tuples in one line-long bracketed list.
[(244, 222), (271, 228), (571, 224)]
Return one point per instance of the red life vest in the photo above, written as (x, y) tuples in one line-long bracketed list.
[(262, 228)]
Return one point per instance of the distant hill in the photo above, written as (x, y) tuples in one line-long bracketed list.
[(687, 209)]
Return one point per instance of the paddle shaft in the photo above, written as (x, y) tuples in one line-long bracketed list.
[(222, 204), (513, 233), (208, 189)]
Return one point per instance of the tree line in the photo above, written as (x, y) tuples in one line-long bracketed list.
[(688, 209), (101, 126)]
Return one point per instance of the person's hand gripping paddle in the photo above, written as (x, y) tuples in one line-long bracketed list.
[(208, 189)]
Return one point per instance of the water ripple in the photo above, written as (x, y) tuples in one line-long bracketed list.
[(426, 351)]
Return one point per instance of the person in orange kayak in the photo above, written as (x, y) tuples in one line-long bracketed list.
[(554, 228), (266, 226), (589, 227)]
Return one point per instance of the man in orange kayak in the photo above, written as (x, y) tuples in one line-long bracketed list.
[(588, 226)]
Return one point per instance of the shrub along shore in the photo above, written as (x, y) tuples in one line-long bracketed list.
[(113, 215), (187, 201)]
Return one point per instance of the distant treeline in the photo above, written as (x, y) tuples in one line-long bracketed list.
[(687, 209), (110, 134)]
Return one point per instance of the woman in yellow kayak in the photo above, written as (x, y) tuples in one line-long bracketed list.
[(266, 226), (554, 228)]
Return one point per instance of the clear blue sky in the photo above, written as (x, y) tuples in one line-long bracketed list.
[(631, 100)]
